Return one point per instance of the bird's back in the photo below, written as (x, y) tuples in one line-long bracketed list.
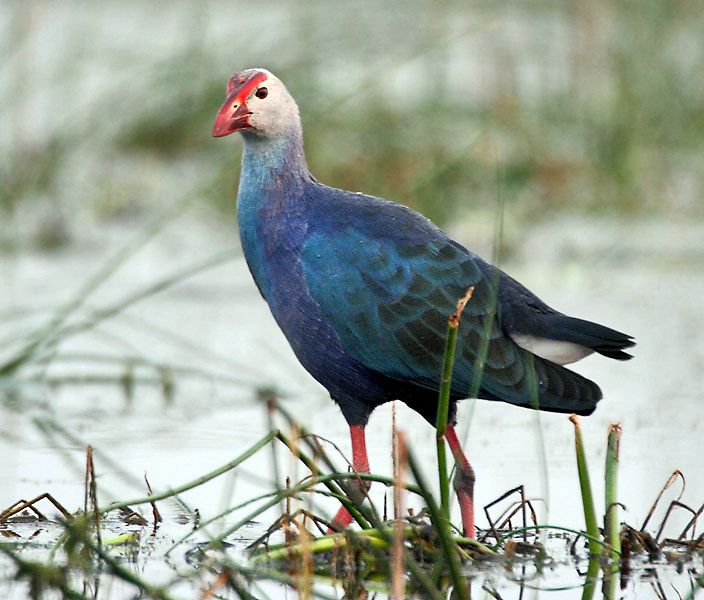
[(386, 280)]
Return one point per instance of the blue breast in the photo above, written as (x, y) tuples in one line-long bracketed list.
[(277, 212)]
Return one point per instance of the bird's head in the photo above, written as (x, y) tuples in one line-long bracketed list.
[(257, 103)]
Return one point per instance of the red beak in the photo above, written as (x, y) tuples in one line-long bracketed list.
[(234, 114)]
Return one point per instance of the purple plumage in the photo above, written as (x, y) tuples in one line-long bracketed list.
[(363, 287)]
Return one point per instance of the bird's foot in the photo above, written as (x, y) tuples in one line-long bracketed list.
[(360, 487), (341, 520), (343, 517)]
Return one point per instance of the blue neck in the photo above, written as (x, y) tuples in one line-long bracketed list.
[(272, 180), (268, 163)]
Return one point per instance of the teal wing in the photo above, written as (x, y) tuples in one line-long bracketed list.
[(389, 298)]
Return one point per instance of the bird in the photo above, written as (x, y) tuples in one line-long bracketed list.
[(362, 288)]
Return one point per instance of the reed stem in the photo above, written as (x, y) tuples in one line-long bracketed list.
[(453, 326), (448, 546), (611, 527), (595, 548)]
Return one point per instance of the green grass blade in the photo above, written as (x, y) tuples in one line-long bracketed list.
[(591, 578), (453, 325), (699, 583), (354, 509), (443, 410), (196, 482), (448, 546), (611, 529), (585, 487), (43, 335)]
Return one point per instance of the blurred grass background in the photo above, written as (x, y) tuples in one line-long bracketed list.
[(106, 108), (593, 110)]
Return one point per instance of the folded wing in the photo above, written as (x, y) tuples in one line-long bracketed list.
[(389, 296)]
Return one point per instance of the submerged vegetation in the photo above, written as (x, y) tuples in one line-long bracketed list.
[(402, 556)]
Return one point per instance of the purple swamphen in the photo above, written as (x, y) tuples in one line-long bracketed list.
[(362, 289)]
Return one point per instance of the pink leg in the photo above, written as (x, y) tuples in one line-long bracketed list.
[(463, 483), (360, 464)]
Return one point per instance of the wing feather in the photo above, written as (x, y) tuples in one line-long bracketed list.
[(388, 292)]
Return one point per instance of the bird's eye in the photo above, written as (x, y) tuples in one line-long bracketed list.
[(262, 93)]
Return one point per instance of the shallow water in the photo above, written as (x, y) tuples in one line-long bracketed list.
[(187, 569), (641, 277)]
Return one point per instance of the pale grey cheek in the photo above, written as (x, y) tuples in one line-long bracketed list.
[(267, 128), (282, 122), (259, 124), (276, 122)]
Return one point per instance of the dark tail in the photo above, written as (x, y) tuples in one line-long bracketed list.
[(603, 340), (547, 386), (565, 391)]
